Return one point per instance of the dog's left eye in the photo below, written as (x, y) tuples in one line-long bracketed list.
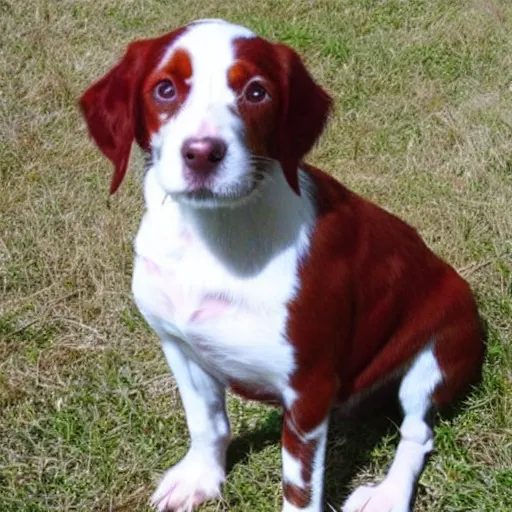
[(165, 90), (256, 93)]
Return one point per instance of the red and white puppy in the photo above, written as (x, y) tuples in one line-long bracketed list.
[(263, 274)]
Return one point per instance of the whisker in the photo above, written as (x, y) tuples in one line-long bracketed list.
[(262, 165), (148, 161), (260, 158)]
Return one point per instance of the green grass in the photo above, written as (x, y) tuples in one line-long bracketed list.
[(89, 416)]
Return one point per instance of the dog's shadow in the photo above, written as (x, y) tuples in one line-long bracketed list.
[(359, 449), (351, 445)]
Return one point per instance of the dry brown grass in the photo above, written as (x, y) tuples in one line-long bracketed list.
[(89, 416)]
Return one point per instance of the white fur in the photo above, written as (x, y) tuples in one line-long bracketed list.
[(210, 110), (317, 475), (292, 470), (213, 275), (187, 484), (214, 285), (199, 475), (395, 492), (243, 263)]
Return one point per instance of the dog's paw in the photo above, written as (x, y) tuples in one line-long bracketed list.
[(189, 483), (385, 497)]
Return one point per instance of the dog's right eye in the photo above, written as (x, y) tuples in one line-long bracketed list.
[(165, 91)]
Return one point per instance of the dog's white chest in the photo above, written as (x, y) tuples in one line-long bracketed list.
[(230, 320)]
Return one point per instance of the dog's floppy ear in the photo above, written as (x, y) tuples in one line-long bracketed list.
[(112, 106), (305, 109)]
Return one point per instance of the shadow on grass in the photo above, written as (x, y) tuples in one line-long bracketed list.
[(267, 432), (355, 442), (350, 446)]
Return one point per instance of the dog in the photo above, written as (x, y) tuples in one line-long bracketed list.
[(263, 274)]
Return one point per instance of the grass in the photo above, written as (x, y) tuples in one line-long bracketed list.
[(89, 416)]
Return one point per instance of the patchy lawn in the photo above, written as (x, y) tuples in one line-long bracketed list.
[(89, 416)]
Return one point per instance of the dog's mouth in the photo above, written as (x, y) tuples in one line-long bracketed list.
[(208, 198), (233, 194)]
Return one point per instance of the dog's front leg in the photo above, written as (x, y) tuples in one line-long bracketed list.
[(304, 437), (199, 475)]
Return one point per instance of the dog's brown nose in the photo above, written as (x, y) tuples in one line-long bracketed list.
[(203, 154)]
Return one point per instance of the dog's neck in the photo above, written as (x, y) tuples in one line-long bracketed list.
[(247, 235)]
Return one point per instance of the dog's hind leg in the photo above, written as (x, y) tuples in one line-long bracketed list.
[(395, 492)]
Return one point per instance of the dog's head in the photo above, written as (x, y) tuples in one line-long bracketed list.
[(212, 102)]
